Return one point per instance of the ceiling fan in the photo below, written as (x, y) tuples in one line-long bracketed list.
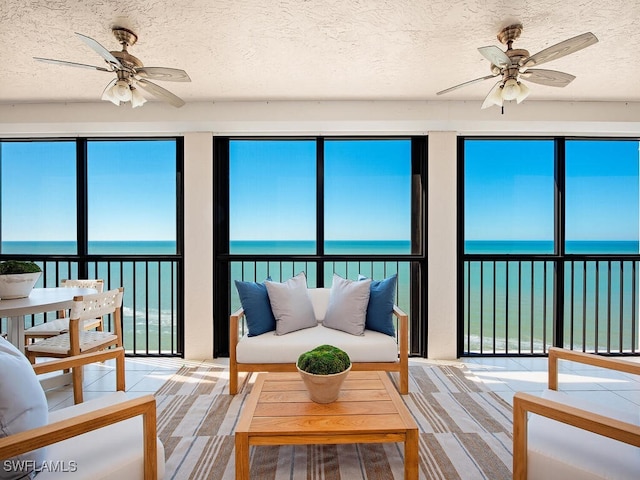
[(514, 65), (131, 75)]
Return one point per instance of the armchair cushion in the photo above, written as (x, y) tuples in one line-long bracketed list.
[(23, 406), (347, 305), (557, 450), (255, 301), (291, 305), (114, 451)]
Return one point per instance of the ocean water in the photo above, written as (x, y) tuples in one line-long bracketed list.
[(149, 305), (509, 306), (504, 305)]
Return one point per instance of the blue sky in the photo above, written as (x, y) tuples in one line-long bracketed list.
[(273, 190), (509, 189), (131, 191)]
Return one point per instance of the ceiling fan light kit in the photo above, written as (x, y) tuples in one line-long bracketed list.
[(132, 75), (513, 65)]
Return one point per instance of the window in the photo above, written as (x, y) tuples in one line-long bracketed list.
[(38, 197), (602, 197), (509, 196), (367, 196), (131, 196), (272, 196)]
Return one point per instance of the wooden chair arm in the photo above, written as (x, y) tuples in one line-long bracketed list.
[(583, 419), (77, 361), (611, 363), (33, 439)]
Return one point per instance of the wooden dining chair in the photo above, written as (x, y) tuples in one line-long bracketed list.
[(61, 324), (77, 340)]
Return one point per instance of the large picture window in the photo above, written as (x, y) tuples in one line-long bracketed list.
[(322, 206), (551, 246)]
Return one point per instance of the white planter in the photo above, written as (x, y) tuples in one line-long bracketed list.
[(323, 388), (17, 285)]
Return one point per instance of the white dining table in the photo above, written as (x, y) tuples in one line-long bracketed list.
[(40, 300)]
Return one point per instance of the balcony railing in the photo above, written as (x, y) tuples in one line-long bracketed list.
[(152, 303), (513, 307)]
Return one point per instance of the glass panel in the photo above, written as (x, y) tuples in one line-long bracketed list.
[(38, 197), (367, 186), (272, 196), (131, 197), (602, 196), (509, 196)]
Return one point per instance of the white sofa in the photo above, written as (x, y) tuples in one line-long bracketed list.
[(279, 353), (558, 435)]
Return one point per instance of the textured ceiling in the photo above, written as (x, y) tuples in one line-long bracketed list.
[(315, 49)]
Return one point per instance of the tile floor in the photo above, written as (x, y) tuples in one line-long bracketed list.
[(503, 375)]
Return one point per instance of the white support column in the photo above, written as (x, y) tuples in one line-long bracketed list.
[(441, 245), (198, 246)]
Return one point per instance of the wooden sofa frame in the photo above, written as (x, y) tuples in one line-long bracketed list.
[(401, 366), (523, 403)]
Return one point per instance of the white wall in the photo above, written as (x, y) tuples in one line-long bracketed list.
[(198, 122), (441, 245), (198, 245)]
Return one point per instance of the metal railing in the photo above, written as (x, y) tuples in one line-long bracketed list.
[(514, 306), (152, 313)]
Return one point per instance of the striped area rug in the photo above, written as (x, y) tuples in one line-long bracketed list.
[(465, 432)]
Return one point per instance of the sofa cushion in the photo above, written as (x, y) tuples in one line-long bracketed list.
[(291, 305), (347, 308), (23, 406), (257, 309), (380, 307), (557, 450), (110, 452), (269, 348)]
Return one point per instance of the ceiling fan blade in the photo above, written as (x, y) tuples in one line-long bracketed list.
[(493, 97), (163, 73), (159, 92), (465, 84), (495, 56), (70, 64), (561, 49), (100, 50), (551, 78)]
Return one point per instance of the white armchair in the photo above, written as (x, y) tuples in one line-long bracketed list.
[(559, 436), (108, 437)]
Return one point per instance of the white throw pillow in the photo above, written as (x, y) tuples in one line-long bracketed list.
[(347, 310), (23, 406), (291, 305)]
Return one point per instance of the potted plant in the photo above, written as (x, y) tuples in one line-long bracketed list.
[(17, 278), (323, 370)]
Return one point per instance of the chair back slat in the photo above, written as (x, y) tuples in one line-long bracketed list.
[(96, 304), (97, 284)]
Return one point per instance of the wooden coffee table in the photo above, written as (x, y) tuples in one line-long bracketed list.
[(369, 410)]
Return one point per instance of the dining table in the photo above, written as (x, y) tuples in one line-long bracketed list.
[(40, 300)]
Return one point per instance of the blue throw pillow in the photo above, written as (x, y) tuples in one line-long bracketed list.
[(257, 309), (380, 307)]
